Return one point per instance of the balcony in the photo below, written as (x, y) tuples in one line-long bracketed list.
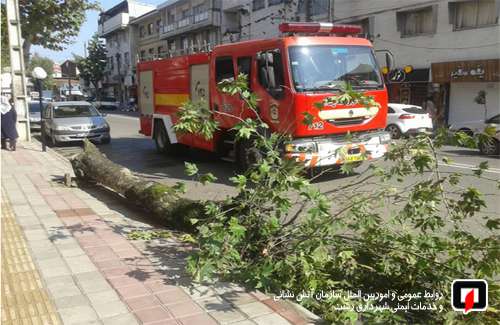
[(191, 23), (114, 23)]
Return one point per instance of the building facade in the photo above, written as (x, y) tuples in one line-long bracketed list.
[(120, 43), (452, 46)]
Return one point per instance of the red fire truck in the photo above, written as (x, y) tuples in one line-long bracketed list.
[(289, 74)]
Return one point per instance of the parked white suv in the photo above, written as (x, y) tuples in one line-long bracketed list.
[(403, 119), (491, 127)]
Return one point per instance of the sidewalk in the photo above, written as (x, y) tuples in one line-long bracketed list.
[(66, 259)]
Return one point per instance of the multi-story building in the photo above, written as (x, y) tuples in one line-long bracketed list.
[(452, 46), (246, 19), (190, 25), (114, 27), (146, 32)]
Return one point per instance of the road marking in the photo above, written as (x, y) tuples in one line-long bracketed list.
[(471, 167)]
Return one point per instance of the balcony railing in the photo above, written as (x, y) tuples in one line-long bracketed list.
[(116, 22), (202, 19)]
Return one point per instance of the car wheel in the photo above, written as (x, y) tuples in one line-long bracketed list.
[(489, 147), (394, 131), (106, 140)]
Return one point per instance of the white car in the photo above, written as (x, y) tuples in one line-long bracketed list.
[(403, 120), (491, 126)]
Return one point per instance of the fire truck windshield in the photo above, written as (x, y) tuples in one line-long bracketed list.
[(330, 68)]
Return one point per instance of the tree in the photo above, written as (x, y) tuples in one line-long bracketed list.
[(47, 65), (5, 54), (51, 24), (93, 66)]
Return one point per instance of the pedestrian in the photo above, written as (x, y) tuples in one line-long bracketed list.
[(430, 108), (9, 119)]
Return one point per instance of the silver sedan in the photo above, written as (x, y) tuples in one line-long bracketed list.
[(75, 121)]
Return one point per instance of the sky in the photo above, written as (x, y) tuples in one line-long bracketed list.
[(88, 28)]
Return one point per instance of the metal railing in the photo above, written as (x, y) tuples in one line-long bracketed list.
[(193, 49)]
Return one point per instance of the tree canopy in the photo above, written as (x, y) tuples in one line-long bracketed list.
[(52, 24), (47, 64), (92, 68)]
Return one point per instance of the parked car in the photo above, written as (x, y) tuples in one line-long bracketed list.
[(35, 115), (490, 126), (404, 120), (107, 103), (75, 121)]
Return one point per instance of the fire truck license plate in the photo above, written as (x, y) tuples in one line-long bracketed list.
[(351, 158)]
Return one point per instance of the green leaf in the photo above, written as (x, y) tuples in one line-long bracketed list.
[(190, 169), (207, 178)]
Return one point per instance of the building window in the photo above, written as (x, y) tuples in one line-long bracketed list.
[(473, 14), (316, 7), (171, 45), (141, 31), (171, 18), (184, 43), (224, 68), (258, 4), (422, 21), (143, 55), (366, 24), (150, 28), (111, 63), (185, 13), (126, 59), (160, 50), (158, 25)]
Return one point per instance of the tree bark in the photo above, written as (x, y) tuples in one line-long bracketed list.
[(161, 201)]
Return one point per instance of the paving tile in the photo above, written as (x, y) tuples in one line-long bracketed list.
[(117, 272), (197, 320), (71, 301), (38, 234), (142, 302), (153, 314), (293, 317), (62, 286), (54, 271), (109, 264), (255, 309), (103, 297), (227, 316), (213, 304), (84, 211), (110, 309), (76, 315), (238, 298), (158, 286), (123, 281), (124, 319), (133, 291), (199, 291), (66, 213), (173, 296), (185, 308), (244, 322), (274, 305), (80, 264), (271, 319), (92, 282)]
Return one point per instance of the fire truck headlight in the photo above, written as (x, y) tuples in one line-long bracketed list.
[(300, 147)]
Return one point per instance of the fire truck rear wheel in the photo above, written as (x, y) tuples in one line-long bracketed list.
[(162, 141), (247, 155)]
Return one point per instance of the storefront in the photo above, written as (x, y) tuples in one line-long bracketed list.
[(411, 89), (458, 84)]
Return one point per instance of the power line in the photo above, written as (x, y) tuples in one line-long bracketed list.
[(439, 48)]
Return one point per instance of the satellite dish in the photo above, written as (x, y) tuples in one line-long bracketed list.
[(39, 73)]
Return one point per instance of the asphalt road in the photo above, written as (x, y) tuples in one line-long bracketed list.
[(137, 152)]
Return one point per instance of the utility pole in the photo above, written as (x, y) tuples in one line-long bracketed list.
[(17, 69), (331, 10), (308, 6)]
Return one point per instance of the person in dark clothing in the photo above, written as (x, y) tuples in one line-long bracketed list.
[(8, 126)]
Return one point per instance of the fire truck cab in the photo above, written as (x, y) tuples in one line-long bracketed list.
[(289, 75)]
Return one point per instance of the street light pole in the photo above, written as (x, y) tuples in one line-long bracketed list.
[(39, 74)]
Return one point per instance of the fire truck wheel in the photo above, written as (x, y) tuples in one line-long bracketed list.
[(162, 141), (247, 155)]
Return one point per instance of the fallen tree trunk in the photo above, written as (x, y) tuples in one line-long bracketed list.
[(161, 201)]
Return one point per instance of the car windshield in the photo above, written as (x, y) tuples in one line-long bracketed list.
[(75, 111), (35, 107), (325, 67)]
